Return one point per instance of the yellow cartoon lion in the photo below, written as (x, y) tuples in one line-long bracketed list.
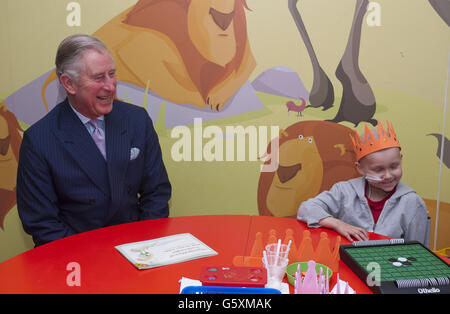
[(10, 141), (190, 51)]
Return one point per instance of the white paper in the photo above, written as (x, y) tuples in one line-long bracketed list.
[(164, 251), (187, 282)]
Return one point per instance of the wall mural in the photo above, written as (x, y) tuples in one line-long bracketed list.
[(193, 59), (10, 140), (313, 155)]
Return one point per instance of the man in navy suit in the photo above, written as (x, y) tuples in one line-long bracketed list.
[(92, 161)]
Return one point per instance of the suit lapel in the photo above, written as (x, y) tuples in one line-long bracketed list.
[(79, 143), (117, 151)]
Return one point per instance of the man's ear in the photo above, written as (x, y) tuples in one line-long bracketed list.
[(68, 84)]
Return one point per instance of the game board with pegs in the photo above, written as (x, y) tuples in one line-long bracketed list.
[(397, 267)]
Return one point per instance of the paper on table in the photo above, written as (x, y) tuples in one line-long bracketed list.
[(187, 282), (164, 251)]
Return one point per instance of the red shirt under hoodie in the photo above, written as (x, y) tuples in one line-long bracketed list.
[(377, 207)]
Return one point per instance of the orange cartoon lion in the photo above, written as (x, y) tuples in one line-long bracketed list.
[(10, 141), (188, 51), (312, 156)]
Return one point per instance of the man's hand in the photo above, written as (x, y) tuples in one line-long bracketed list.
[(350, 232)]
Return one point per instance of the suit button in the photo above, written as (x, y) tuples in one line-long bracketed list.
[(91, 201)]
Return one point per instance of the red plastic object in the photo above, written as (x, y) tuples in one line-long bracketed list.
[(232, 276)]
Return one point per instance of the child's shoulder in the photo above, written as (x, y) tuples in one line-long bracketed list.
[(355, 183), (404, 190), (351, 182), (409, 196), (350, 187)]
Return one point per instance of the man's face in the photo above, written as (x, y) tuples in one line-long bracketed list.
[(94, 93), (385, 164)]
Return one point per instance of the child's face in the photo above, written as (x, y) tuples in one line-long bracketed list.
[(385, 164)]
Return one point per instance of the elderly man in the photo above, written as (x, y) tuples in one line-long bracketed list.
[(92, 161)]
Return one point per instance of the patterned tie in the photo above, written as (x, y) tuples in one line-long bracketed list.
[(99, 137)]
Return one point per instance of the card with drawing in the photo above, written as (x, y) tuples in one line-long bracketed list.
[(165, 251)]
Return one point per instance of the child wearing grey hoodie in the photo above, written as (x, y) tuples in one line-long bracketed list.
[(376, 202)]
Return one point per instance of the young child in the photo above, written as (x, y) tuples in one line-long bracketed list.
[(376, 202)]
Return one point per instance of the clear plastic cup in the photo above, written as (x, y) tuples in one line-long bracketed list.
[(272, 249), (276, 269)]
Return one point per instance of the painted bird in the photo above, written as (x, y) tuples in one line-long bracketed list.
[(293, 107)]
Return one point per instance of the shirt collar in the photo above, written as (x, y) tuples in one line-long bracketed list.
[(83, 118)]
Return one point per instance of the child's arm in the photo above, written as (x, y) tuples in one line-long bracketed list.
[(324, 211), (326, 204), (350, 232)]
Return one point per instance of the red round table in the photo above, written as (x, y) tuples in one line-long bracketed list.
[(105, 270)]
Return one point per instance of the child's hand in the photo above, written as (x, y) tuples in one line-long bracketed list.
[(350, 232)]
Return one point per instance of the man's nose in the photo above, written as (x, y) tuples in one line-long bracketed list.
[(110, 84)]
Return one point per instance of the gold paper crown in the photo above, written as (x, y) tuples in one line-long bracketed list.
[(370, 144)]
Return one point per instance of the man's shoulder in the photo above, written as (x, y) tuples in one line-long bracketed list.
[(130, 112), (46, 122), (127, 108)]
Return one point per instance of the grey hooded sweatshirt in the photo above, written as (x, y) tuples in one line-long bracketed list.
[(404, 214)]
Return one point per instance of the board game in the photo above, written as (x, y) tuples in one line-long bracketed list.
[(393, 266)]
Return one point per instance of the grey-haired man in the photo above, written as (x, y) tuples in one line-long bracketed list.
[(92, 161)]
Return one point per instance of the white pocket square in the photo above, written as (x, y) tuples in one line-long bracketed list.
[(134, 153)]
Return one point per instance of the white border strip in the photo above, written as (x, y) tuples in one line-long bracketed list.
[(441, 158)]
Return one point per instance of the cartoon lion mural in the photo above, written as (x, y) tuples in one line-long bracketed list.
[(190, 52), (312, 156), (10, 141)]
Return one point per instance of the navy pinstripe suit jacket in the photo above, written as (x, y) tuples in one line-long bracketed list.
[(64, 185)]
